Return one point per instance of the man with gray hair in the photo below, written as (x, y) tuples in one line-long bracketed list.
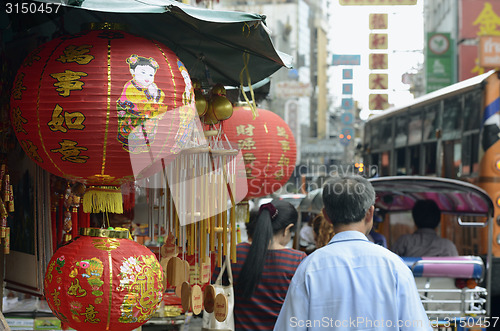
[(352, 283)]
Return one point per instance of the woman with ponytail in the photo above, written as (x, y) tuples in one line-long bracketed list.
[(265, 267)]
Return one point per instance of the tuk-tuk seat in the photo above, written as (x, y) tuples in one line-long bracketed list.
[(468, 267)]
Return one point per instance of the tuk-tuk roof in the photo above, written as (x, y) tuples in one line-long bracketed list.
[(399, 193)]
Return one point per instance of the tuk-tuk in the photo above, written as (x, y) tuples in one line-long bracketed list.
[(455, 291)]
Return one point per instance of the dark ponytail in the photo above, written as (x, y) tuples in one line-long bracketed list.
[(270, 221)]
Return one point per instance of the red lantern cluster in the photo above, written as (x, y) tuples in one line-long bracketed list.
[(84, 105), (102, 283), (268, 148)]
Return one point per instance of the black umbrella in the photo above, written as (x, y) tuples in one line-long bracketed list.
[(226, 47)]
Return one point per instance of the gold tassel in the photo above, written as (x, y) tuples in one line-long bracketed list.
[(99, 199)]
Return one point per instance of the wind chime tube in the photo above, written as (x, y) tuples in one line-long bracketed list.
[(220, 248), (233, 212), (224, 192)]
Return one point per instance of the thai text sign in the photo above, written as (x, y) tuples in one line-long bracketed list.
[(489, 51)]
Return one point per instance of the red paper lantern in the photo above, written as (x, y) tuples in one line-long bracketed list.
[(102, 283), (102, 107), (268, 148)]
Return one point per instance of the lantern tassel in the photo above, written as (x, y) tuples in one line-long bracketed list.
[(99, 199)]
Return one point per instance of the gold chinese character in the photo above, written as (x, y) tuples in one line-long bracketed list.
[(488, 21), (76, 54), (55, 297), (72, 120), (32, 57), (56, 124), (282, 163), (282, 132), (76, 290), (17, 90), (68, 81), (31, 150), (247, 143), (18, 120), (70, 152), (90, 315), (285, 145), (249, 158), (246, 130), (248, 171)]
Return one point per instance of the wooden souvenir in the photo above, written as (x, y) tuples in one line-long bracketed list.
[(220, 309), (185, 296), (196, 299), (209, 298)]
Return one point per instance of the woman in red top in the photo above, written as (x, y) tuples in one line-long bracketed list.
[(265, 267)]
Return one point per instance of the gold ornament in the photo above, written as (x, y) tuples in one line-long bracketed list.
[(209, 118), (201, 102), (222, 107)]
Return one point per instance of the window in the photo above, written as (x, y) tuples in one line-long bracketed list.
[(472, 110), (384, 169), (431, 122), (415, 129), (430, 159), (401, 131), (414, 161), (452, 118), (452, 159), (401, 161), (470, 154)]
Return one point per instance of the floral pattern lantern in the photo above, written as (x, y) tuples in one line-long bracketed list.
[(102, 107), (268, 147), (102, 282)]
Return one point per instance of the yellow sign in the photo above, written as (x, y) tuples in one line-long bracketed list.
[(378, 21), (376, 2), (378, 101), (489, 51), (378, 61), (378, 41), (378, 81)]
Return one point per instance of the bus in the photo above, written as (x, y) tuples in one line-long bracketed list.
[(451, 133)]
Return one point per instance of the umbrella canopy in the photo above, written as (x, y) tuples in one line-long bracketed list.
[(215, 45), (312, 203)]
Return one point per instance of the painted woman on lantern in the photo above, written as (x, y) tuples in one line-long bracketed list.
[(140, 106)]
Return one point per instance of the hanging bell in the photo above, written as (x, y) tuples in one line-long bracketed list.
[(222, 107), (201, 102), (209, 118)]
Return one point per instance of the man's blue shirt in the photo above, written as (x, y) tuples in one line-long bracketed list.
[(352, 284)]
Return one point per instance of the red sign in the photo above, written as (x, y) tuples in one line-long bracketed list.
[(478, 18)]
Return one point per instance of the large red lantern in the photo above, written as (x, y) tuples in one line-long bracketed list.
[(100, 283), (102, 107), (268, 148)]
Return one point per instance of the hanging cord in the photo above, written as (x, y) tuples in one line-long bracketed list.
[(246, 59)]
